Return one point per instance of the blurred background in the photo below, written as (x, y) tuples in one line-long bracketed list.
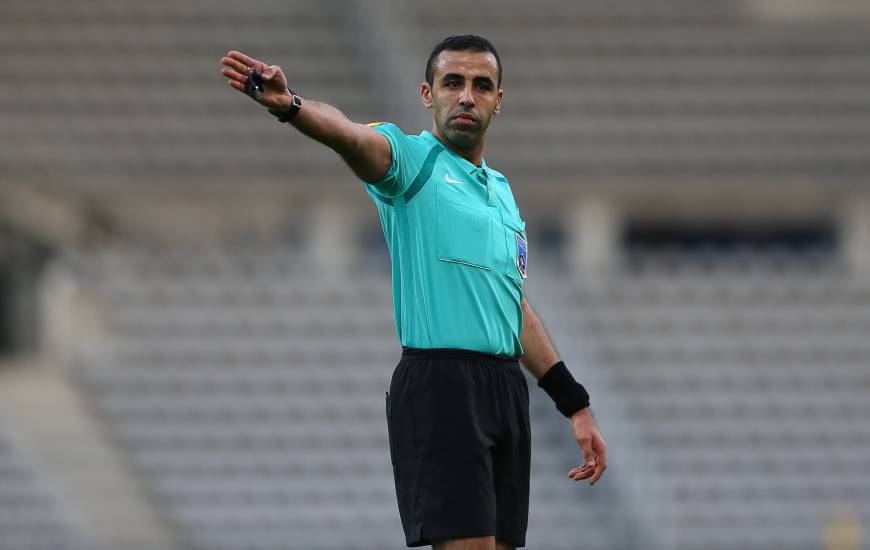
[(196, 325)]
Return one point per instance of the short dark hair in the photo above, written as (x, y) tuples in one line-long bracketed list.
[(461, 43)]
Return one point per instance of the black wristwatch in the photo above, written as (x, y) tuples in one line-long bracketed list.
[(287, 116)]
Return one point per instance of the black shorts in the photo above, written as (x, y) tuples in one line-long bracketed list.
[(460, 443)]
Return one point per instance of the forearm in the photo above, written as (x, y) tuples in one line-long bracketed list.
[(539, 358), (538, 351), (328, 125), (364, 150)]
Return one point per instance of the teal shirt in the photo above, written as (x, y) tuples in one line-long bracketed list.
[(457, 244)]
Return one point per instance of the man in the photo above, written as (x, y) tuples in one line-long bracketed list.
[(457, 409)]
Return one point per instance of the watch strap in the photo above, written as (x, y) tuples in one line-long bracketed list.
[(287, 116)]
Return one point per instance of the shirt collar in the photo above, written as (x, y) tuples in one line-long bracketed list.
[(469, 166)]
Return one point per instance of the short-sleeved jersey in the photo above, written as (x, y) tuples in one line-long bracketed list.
[(458, 247)]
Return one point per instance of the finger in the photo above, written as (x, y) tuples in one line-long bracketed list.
[(237, 85), (588, 453), (235, 65), (602, 456), (242, 58), (247, 61), (583, 473), (599, 471), (580, 473), (582, 476), (229, 73), (600, 460)]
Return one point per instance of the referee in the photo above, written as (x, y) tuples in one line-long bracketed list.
[(458, 406)]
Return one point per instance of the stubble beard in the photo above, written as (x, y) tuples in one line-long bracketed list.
[(464, 138)]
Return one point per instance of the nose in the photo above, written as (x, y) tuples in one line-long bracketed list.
[(466, 99)]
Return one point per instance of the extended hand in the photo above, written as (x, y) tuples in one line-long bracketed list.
[(237, 67), (594, 450)]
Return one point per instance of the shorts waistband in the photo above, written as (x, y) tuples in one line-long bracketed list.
[(464, 354)]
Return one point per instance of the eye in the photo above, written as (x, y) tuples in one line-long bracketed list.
[(452, 84)]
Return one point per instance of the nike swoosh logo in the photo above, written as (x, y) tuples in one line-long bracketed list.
[(448, 179)]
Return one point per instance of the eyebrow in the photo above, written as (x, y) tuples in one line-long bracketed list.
[(451, 76)]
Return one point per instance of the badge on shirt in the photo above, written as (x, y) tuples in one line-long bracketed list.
[(522, 255)]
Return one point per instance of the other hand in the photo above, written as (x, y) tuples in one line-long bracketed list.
[(594, 450)]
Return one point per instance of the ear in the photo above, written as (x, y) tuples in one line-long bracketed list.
[(426, 94), (498, 102)]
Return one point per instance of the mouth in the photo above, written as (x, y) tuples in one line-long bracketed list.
[(465, 118)]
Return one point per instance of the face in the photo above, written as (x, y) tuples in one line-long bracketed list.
[(464, 96)]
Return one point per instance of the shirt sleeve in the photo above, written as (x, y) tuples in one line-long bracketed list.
[(406, 156)]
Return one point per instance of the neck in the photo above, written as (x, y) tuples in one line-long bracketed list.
[(473, 155)]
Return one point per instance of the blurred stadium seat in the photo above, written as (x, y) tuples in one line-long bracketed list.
[(30, 516)]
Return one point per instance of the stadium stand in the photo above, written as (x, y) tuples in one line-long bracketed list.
[(741, 382), (249, 396), (30, 518), (593, 88), (142, 99), (249, 419), (254, 424), (670, 87)]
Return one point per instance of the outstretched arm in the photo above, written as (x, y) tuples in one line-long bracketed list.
[(366, 151), (538, 357)]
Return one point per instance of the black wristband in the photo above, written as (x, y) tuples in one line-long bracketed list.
[(569, 395)]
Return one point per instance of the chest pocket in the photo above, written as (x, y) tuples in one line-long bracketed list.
[(464, 235)]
